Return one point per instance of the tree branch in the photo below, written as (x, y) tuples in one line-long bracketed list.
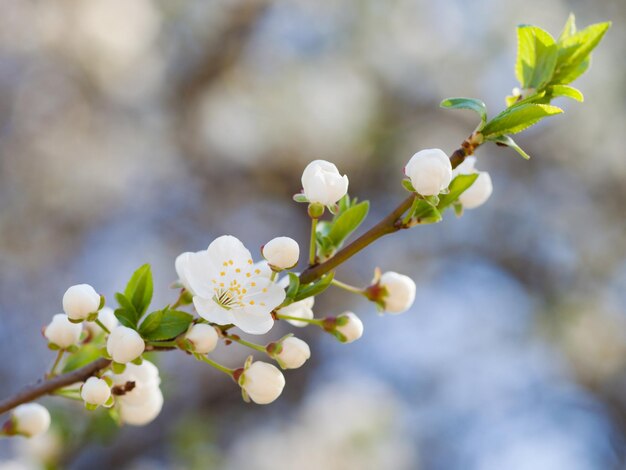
[(45, 387)]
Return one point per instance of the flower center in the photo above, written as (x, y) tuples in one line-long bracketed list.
[(225, 298)]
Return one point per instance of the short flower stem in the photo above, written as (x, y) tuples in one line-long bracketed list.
[(236, 339), (273, 276), (166, 344), (101, 325), (312, 321), (347, 287), (313, 247), (220, 367), (56, 362)]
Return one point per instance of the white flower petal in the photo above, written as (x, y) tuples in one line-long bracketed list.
[(211, 311), (253, 320), (228, 249)]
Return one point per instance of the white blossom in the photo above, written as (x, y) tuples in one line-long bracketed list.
[(301, 309), (62, 332), (107, 317), (323, 184), (228, 287), (80, 300), (95, 391), (262, 382), (281, 252), (203, 337), (400, 292), (478, 193), (124, 344), (143, 403), (294, 352), (430, 171), (31, 419), (350, 326)]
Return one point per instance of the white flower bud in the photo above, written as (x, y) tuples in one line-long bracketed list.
[(323, 184), (62, 332), (262, 382), (352, 329), (80, 300), (478, 193), (400, 292), (107, 318), (124, 344), (282, 252), (203, 337), (31, 419), (143, 413), (293, 354), (145, 378), (430, 171), (95, 391)]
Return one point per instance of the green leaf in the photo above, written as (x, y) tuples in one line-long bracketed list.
[(567, 91), (139, 289), (294, 285), (347, 222), (86, 354), (165, 324), (467, 103), (508, 142), (574, 52), (315, 288), (536, 56), (423, 212), (126, 314), (457, 187), (517, 118), (569, 29)]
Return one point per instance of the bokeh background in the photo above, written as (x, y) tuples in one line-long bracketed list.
[(133, 130)]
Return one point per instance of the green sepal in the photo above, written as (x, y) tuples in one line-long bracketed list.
[(138, 361), (118, 368), (406, 184), (301, 198), (103, 302), (90, 406)]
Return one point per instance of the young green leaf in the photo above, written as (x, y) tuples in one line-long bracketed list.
[(569, 29), (126, 314), (294, 285), (574, 52), (508, 142), (565, 90), (517, 118), (467, 103), (166, 324), (315, 288), (347, 222), (456, 188), (139, 289), (86, 354), (536, 56)]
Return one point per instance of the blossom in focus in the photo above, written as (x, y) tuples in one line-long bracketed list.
[(62, 332), (430, 171), (292, 353), (95, 391), (399, 292), (228, 287), (323, 184), (349, 326), (80, 300)]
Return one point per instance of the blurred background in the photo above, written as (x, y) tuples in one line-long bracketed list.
[(134, 130)]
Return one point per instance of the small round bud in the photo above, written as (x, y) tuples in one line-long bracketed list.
[(203, 337), (399, 290), (323, 184), (144, 412), (80, 300), (293, 353), (95, 391), (62, 332), (350, 326), (262, 382), (430, 171), (124, 344), (31, 419), (281, 252), (107, 317), (478, 193)]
